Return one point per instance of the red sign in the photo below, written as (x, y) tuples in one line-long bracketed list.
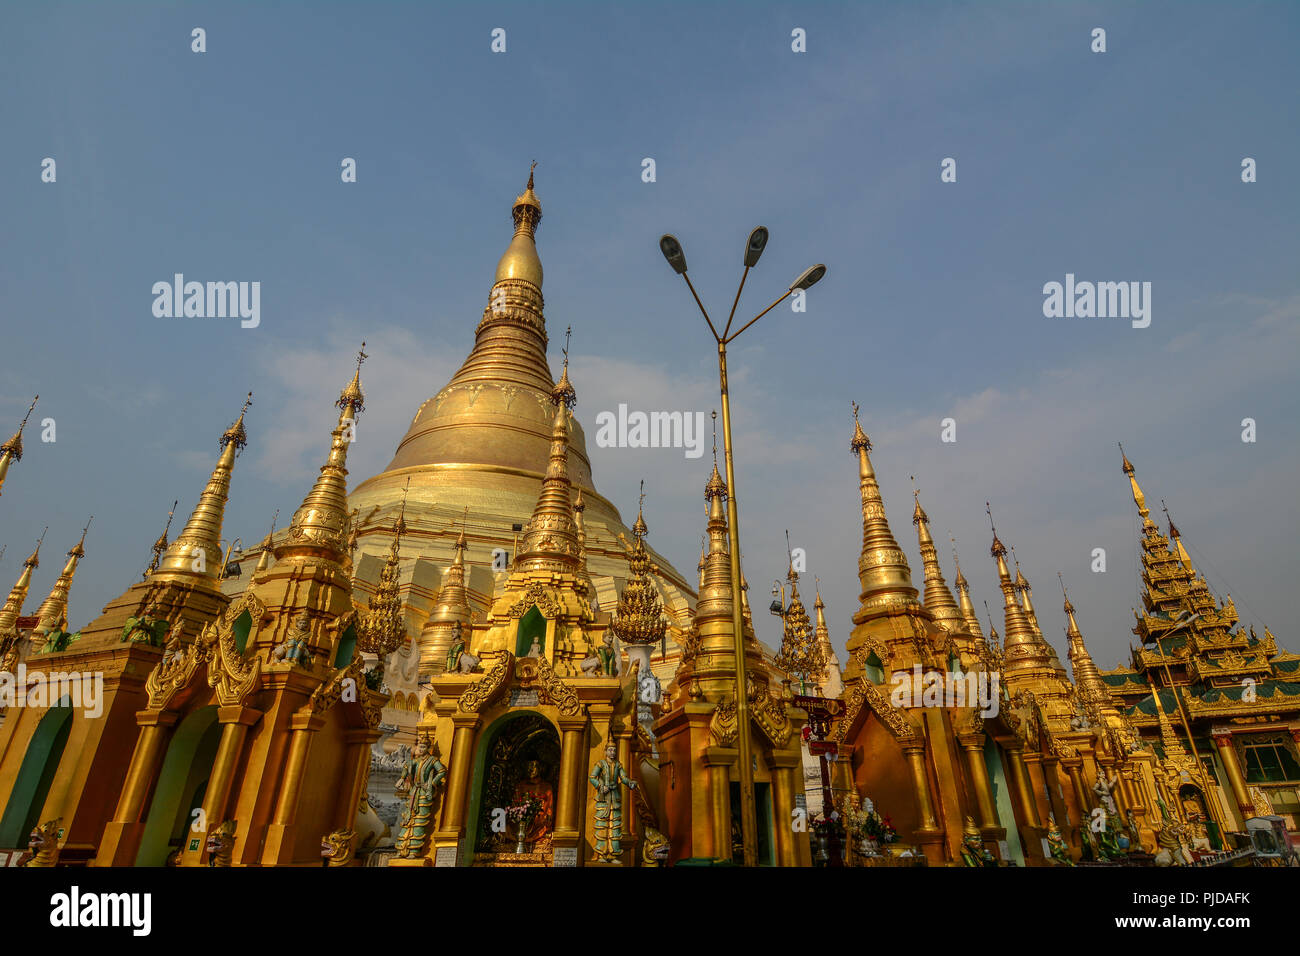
[(816, 747)]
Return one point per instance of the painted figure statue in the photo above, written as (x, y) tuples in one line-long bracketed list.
[(532, 785), (608, 778), (419, 783), (1104, 788), (1056, 847), (973, 852)]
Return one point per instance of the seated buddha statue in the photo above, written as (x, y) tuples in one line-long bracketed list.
[(532, 785)]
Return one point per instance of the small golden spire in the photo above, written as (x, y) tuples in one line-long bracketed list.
[(938, 599), (1023, 648), (12, 450), (322, 522), (1176, 538), (963, 595), (550, 537), (883, 571), (264, 560), (13, 606), (1139, 499), (382, 627), (639, 615), (53, 612), (197, 549), (160, 546), (1092, 689), (801, 653)]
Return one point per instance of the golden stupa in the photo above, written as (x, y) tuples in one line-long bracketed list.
[(473, 460)]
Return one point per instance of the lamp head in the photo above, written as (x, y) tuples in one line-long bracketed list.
[(672, 250), (754, 248), (809, 278)]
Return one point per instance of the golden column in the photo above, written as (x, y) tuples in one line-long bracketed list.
[(279, 842), (672, 250), (915, 753), (358, 757), (459, 763), (1237, 781), (782, 763), (719, 760), (1024, 792), (567, 815), (973, 745), (235, 720), (121, 840)]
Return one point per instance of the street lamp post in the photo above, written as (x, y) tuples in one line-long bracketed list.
[(672, 250)]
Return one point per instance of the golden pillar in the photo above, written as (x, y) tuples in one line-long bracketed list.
[(278, 847), (1052, 783), (573, 785), (235, 721), (719, 760), (973, 745), (1075, 769), (358, 760), (781, 763), (459, 764), (1237, 781), (1024, 792), (915, 753), (121, 840)]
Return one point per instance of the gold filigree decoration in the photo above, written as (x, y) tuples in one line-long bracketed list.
[(487, 686), (556, 691), (229, 673), (535, 594), (869, 695), (724, 726), (325, 696), (176, 669)]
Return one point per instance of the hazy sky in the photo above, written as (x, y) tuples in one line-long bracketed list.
[(1115, 166)]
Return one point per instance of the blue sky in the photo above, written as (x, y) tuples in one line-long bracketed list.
[(1116, 166)]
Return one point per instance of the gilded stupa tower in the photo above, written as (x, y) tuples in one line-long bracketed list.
[(477, 456), (890, 618), (52, 616), (10, 645)]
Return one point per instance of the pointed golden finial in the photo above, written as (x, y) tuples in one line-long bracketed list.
[(400, 525), (160, 545), (12, 450), (235, 434), (715, 487), (919, 517), (860, 439), (999, 549), (564, 394), (264, 559), (639, 528), (791, 574), (80, 546), (1139, 499), (14, 446), (964, 604), (352, 399), (531, 169)]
